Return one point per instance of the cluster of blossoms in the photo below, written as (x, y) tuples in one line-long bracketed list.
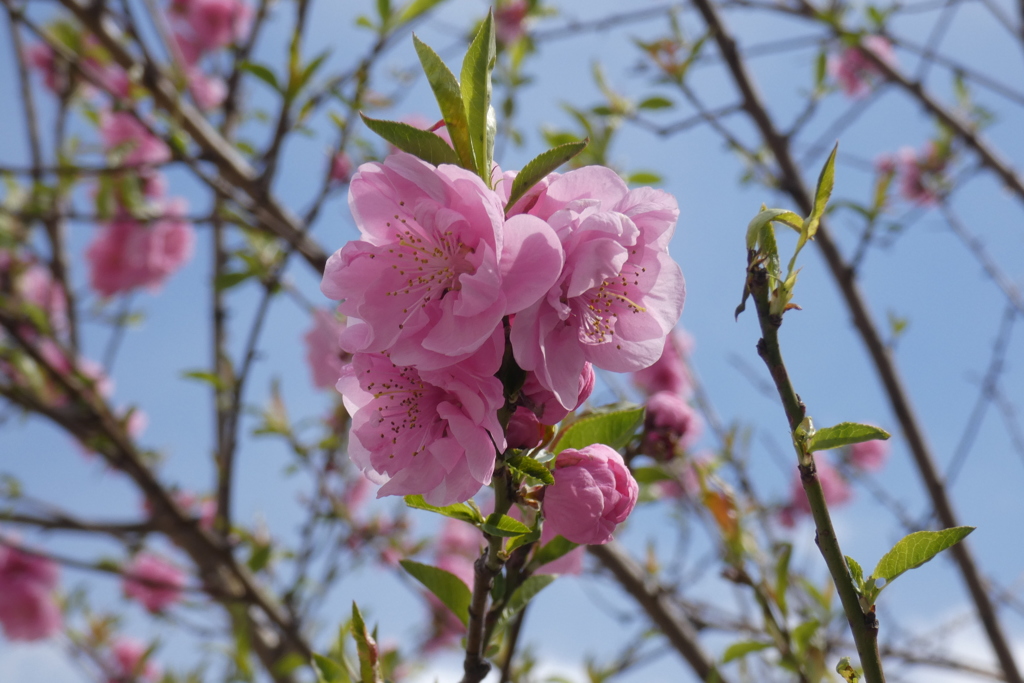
[(855, 71), (201, 27), (921, 174), (868, 456), (671, 424), (28, 610), (153, 581), (128, 253), (444, 285)]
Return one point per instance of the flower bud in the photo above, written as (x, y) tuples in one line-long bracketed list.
[(670, 422), (593, 493), (524, 429)]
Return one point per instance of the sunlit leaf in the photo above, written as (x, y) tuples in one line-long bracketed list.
[(844, 434), (448, 588), (614, 428)]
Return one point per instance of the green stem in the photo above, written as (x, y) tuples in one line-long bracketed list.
[(864, 626)]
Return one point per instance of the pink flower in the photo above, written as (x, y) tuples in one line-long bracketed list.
[(836, 490), (460, 539), (40, 56), (125, 134), (524, 429), (669, 423), (27, 607), (341, 167), (669, 372), (153, 581), (429, 432), (208, 91), (127, 255), (509, 21), (216, 23), (869, 456), (854, 70), (37, 287), (323, 349), (127, 662), (592, 494), (920, 174), (458, 546), (546, 405), (620, 292), (438, 266)]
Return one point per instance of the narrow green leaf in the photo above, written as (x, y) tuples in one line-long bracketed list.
[(227, 280), (856, 573), (552, 550), (415, 8), (655, 102), (448, 588), (844, 434), (328, 670), (782, 576), (643, 178), (504, 526), (526, 592), (614, 428), (531, 467), (541, 166), (826, 181), (755, 229), (261, 72), (456, 511), (203, 376), (651, 475), (384, 10), (476, 93), (523, 539), (914, 550), (366, 646), (421, 143), (448, 94), (742, 649)]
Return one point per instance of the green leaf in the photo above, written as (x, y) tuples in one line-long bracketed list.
[(421, 143), (526, 592), (521, 540), (826, 181), (911, 552), (651, 475), (552, 550), (448, 94), (384, 10), (476, 94), (259, 559), (328, 670), (541, 166), (203, 376), (643, 178), (756, 229), (505, 526), (844, 434), (261, 72), (366, 646), (531, 467), (856, 573), (416, 8), (614, 429), (456, 511), (742, 649), (656, 102), (227, 280), (448, 588), (782, 576)]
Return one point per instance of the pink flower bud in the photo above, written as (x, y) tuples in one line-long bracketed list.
[(27, 607), (669, 372), (670, 422), (592, 494), (524, 429), (127, 664), (153, 581), (341, 168)]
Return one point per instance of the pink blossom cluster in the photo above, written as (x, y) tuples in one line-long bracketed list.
[(155, 582), (324, 354), (128, 253), (670, 423), (28, 610), (93, 61), (577, 274), (201, 27), (920, 174), (855, 71)]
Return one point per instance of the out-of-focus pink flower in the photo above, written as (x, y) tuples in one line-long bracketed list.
[(37, 287), (40, 56), (836, 490), (524, 429), (592, 494), (920, 174), (123, 133), (854, 70), (215, 23), (341, 167), (354, 495), (153, 581), (570, 563), (429, 432), (460, 539), (669, 372), (546, 405), (208, 91), (323, 349), (126, 662), (127, 254), (619, 294), (669, 422), (458, 546), (869, 456), (27, 607), (438, 266), (509, 21)]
